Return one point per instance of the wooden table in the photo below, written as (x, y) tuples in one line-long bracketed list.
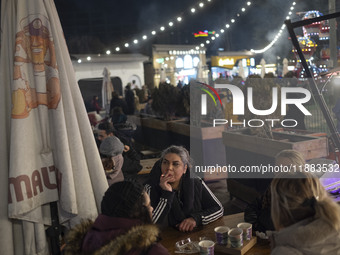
[(170, 235), (147, 165)]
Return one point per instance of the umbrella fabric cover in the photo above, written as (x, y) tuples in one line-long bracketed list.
[(49, 150)]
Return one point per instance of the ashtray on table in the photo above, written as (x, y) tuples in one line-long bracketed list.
[(187, 246)]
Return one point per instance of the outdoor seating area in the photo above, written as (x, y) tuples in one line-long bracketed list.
[(169, 127)]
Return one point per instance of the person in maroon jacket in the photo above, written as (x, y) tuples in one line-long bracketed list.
[(95, 104), (124, 227)]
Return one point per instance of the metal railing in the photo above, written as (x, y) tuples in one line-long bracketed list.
[(317, 122)]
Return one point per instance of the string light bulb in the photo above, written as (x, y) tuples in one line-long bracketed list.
[(278, 35), (200, 4)]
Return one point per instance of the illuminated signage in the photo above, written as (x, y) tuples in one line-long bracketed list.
[(159, 60), (226, 62), (229, 61), (187, 72), (204, 33)]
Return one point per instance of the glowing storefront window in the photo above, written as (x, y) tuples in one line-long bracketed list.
[(196, 61), (252, 62), (187, 62), (179, 63)]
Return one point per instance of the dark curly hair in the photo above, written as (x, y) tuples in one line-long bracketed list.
[(126, 199)]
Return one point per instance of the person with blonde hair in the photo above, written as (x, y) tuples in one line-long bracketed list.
[(292, 158), (305, 216), (258, 213)]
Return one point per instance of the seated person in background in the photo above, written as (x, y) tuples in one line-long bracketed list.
[(180, 200), (131, 165), (305, 216), (111, 148), (124, 227), (258, 213), (148, 107), (118, 116)]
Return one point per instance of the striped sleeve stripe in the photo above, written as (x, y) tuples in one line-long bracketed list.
[(212, 217), (159, 209), (209, 218)]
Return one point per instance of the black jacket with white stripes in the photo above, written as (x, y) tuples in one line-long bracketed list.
[(193, 199)]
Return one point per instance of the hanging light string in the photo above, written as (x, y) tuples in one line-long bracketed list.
[(201, 4), (227, 25), (278, 35), (172, 23)]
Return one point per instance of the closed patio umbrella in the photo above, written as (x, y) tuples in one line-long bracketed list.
[(199, 71), (263, 67), (285, 66), (48, 154), (241, 70), (107, 90), (162, 75)]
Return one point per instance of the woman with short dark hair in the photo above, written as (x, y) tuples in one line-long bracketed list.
[(180, 200)]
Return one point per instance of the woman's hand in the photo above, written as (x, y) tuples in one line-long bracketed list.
[(187, 225), (164, 182)]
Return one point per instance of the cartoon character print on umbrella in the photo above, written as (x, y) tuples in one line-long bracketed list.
[(35, 53)]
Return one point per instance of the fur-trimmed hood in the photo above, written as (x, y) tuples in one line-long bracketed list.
[(138, 238)]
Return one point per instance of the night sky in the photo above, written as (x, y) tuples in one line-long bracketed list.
[(95, 26)]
